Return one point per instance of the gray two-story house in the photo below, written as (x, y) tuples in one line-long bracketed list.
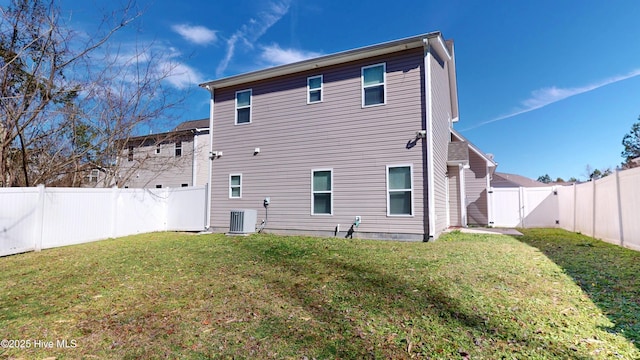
[(358, 137), (177, 158)]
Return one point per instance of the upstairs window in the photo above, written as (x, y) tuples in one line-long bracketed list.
[(130, 154), (314, 89), (235, 186), (322, 192), (373, 85), (399, 190), (243, 107), (158, 148), (178, 148), (93, 176)]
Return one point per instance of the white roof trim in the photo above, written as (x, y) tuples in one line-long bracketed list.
[(435, 38)]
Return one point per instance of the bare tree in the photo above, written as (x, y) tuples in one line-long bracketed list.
[(69, 106)]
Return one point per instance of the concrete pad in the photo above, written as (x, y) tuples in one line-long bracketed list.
[(495, 231)]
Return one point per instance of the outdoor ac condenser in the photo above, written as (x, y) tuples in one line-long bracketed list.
[(243, 221)]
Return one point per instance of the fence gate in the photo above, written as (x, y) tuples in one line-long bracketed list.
[(524, 207)]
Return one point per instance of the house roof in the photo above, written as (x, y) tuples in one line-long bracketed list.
[(434, 40), (192, 125), (458, 153), (486, 157), (182, 128), (512, 180)]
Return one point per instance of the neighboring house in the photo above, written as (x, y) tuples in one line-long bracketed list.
[(358, 136), (178, 158), (502, 180)]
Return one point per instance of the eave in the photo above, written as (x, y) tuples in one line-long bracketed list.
[(434, 38)]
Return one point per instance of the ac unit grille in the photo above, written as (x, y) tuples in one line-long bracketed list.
[(242, 221)]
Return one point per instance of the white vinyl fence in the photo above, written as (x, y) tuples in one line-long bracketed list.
[(41, 218), (607, 209)]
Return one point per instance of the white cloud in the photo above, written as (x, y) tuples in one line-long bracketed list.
[(152, 59), (196, 34), (250, 32), (181, 75), (549, 95), (275, 55)]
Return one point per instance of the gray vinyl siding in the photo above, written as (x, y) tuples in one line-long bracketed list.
[(149, 169), (296, 137), (441, 110), (454, 196), (476, 190)]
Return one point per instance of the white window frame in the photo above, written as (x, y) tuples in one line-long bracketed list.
[(412, 189), (235, 186), (384, 83), (158, 148), (244, 107), (178, 146), (313, 192), (309, 89), (93, 176)]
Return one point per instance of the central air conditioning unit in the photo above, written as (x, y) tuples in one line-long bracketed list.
[(243, 221)]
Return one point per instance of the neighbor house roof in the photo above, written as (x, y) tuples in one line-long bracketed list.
[(434, 40), (192, 125), (500, 179), (183, 128)]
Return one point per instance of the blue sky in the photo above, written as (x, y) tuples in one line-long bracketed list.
[(548, 87)]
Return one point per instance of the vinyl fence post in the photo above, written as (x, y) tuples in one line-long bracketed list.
[(39, 225), (114, 211), (522, 205), (593, 204), (619, 203), (575, 205)]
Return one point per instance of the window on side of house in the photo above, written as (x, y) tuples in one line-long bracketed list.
[(374, 85), (243, 106), (158, 148), (322, 192), (130, 154), (400, 190), (158, 186), (314, 89), (178, 148), (93, 176), (235, 186)]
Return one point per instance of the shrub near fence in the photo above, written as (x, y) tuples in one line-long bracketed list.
[(607, 209), (41, 218)]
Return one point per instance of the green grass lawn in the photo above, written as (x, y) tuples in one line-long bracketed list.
[(548, 294)]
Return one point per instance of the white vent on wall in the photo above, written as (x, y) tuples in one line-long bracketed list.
[(243, 221)]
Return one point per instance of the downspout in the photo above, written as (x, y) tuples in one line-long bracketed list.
[(194, 160), (463, 196), (210, 176), (489, 197), (431, 201)]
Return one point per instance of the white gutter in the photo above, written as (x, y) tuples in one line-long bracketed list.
[(431, 201), (210, 176), (194, 160), (329, 60)]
